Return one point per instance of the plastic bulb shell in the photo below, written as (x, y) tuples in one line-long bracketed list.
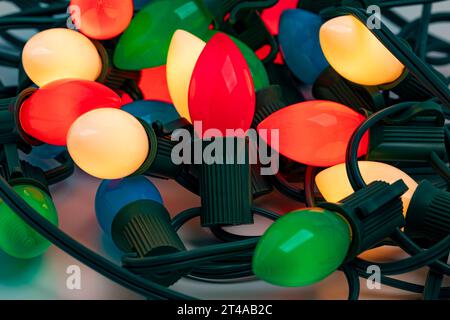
[(334, 185), (153, 84), (113, 195), (184, 50), (50, 111), (102, 19), (300, 44), (271, 16), (17, 238), (302, 248), (257, 69), (108, 143), (315, 132), (58, 53), (221, 92), (356, 54), (145, 43)]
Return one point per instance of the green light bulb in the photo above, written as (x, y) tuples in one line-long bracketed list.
[(302, 248), (145, 42), (257, 69), (17, 238)]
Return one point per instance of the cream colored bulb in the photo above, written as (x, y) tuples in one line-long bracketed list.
[(334, 185), (108, 143), (184, 50), (356, 54), (59, 53)]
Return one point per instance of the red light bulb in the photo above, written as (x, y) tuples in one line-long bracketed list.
[(153, 84), (102, 19), (316, 132), (50, 111), (272, 15), (221, 92)]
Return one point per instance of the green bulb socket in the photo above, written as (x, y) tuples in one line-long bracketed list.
[(144, 227), (219, 9), (163, 166), (428, 215), (279, 74), (23, 95), (153, 144), (7, 124), (268, 101), (332, 86), (412, 90), (252, 30), (373, 213), (406, 143), (260, 184), (225, 188), (30, 175), (317, 5), (116, 79)]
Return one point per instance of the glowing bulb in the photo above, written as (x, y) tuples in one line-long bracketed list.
[(302, 248), (146, 41), (271, 16), (108, 143), (184, 50), (56, 54), (356, 54), (50, 111), (334, 185), (314, 132), (17, 238), (102, 19), (299, 41), (113, 195), (153, 84), (257, 69), (221, 92)]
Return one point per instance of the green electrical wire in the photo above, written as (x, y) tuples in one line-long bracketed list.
[(78, 251), (431, 255), (418, 68)]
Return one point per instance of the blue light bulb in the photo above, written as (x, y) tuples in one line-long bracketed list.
[(113, 195), (300, 45), (152, 110)]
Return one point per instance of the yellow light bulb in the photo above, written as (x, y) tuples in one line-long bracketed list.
[(356, 54), (334, 185), (184, 50), (59, 53), (108, 143)]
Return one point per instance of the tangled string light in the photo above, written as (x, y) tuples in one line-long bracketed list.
[(361, 112)]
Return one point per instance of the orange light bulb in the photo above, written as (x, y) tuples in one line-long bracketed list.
[(334, 185), (356, 54), (315, 133)]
